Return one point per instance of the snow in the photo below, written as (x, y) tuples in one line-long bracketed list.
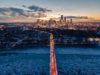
[(22, 63), (85, 51), (70, 61), (78, 61)]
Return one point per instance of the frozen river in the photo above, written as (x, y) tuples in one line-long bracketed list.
[(35, 61)]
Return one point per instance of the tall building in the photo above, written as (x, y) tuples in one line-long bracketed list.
[(62, 17), (71, 21), (65, 19)]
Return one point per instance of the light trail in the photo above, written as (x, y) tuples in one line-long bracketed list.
[(53, 67)]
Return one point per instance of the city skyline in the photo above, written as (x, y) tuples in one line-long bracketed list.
[(24, 10)]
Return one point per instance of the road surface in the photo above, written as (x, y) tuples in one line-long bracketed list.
[(53, 67)]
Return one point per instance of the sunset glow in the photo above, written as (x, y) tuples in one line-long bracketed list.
[(20, 10)]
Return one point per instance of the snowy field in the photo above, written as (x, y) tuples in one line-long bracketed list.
[(70, 61), (78, 61), (25, 62)]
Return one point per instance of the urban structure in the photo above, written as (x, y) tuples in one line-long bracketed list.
[(66, 33)]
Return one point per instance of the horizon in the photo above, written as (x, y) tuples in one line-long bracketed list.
[(28, 11)]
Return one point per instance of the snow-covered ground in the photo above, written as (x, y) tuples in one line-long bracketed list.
[(70, 61), (78, 61), (24, 62), (83, 51)]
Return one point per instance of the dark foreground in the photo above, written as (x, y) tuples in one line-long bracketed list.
[(11, 38)]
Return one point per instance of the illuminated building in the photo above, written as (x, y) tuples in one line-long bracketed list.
[(65, 19), (62, 17), (71, 21)]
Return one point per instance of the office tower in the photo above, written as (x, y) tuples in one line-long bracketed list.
[(65, 19), (62, 17), (71, 21)]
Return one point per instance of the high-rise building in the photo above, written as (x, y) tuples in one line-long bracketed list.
[(65, 19), (62, 17), (71, 21)]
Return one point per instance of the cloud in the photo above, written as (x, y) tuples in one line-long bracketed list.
[(25, 12), (78, 17), (38, 9), (12, 12)]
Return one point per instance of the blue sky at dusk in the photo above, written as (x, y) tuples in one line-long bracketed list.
[(89, 8)]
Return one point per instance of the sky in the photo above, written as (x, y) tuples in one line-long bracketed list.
[(89, 8)]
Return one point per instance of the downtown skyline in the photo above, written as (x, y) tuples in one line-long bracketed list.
[(49, 9)]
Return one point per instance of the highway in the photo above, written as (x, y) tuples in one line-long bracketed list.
[(53, 66)]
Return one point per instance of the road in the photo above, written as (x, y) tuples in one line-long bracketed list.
[(53, 67)]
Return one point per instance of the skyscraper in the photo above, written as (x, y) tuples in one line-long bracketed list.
[(62, 17), (65, 19), (71, 21)]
